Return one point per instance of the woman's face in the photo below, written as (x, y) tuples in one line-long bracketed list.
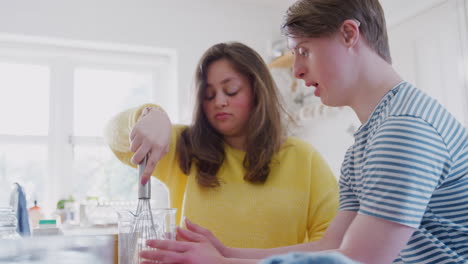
[(228, 99)]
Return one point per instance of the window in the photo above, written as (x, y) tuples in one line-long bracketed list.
[(56, 97), (24, 115), (95, 171)]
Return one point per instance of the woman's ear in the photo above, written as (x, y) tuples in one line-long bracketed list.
[(350, 32)]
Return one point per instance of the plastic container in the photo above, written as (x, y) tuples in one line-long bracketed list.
[(8, 224), (47, 227), (35, 214)]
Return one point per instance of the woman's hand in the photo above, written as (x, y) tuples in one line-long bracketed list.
[(150, 137), (197, 231), (197, 251)]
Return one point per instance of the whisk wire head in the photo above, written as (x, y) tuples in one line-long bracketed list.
[(143, 227)]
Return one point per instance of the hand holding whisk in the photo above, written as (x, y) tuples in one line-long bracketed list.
[(143, 228)]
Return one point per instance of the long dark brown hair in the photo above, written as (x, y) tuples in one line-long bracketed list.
[(201, 144)]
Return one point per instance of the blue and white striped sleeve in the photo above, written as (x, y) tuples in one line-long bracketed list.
[(406, 160), (348, 200)]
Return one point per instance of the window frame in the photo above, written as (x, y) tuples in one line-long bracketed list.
[(63, 57)]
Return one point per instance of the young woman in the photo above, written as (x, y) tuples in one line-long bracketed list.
[(233, 170)]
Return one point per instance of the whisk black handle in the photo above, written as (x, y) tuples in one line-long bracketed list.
[(144, 191)]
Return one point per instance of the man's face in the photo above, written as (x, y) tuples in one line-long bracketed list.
[(322, 63)]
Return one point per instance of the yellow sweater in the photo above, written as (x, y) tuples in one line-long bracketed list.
[(295, 205)]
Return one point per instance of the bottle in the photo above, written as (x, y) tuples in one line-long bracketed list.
[(8, 224), (35, 214), (47, 227)]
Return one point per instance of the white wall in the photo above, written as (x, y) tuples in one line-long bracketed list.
[(397, 11), (189, 27), (430, 48)]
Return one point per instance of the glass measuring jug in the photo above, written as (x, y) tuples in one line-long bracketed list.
[(164, 225)]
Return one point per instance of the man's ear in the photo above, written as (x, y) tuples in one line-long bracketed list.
[(350, 32)]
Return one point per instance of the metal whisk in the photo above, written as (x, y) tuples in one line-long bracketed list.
[(143, 228)]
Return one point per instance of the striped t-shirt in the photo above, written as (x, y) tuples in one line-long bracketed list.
[(409, 165)]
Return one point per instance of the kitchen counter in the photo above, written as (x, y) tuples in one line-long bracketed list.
[(100, 230), (90, 230), (60, 249)]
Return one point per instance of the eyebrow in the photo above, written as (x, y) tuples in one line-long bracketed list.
[(228, 79), (298, 44)]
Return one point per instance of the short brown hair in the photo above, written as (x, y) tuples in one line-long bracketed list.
[(320, 18), (203, 145)]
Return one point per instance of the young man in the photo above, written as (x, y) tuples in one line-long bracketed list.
[(404, 182)]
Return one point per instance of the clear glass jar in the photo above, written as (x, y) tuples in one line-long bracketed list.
[(8, 224)]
